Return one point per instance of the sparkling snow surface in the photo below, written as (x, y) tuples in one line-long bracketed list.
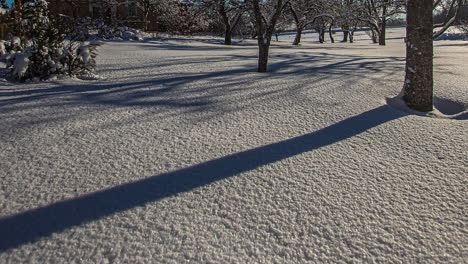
[(183, 153)]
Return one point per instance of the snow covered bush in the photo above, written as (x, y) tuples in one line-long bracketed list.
[(92, 29), (10, 46), (45, 50), (82, 28), (114, 33), (3, 10)]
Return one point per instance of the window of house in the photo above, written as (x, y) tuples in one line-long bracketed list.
[(132, 9)]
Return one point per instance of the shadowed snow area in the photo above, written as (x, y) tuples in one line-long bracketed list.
[(182, 153)]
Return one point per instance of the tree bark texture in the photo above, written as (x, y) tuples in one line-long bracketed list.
[(299, 27), (374, 35), (263, 57), (383, 25), (345, 36), (418, 87), (297, 39), (330, 33), (228, 35), (227, 24), (321, 35), (383, 32)]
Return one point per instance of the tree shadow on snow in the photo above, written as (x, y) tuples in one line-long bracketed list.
[(135, 93), (32, 225), (208, 44), (281, 66), (205, 93), (460, 44)]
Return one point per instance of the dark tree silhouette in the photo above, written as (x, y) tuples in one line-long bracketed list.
[(266, 18)]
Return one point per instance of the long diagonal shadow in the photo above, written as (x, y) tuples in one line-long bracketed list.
[(30, 226)]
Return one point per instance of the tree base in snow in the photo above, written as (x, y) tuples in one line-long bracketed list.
[(443, 108)]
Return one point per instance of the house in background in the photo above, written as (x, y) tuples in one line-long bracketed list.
[(120, 12)]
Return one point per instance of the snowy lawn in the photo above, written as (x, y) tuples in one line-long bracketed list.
[(183, 153)]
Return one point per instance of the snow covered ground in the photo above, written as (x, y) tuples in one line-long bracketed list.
[(182, 153)]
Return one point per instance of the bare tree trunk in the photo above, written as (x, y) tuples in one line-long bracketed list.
[(297, 39), (263, 57), (374, 35), (265, 30), (351, 37), (382, 33), (383, 26), (299, 27), (345, 35), (228, 35), (330, 33), (351, 34), (418, 87), (227, 26), (146, 20), (321, 33)]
